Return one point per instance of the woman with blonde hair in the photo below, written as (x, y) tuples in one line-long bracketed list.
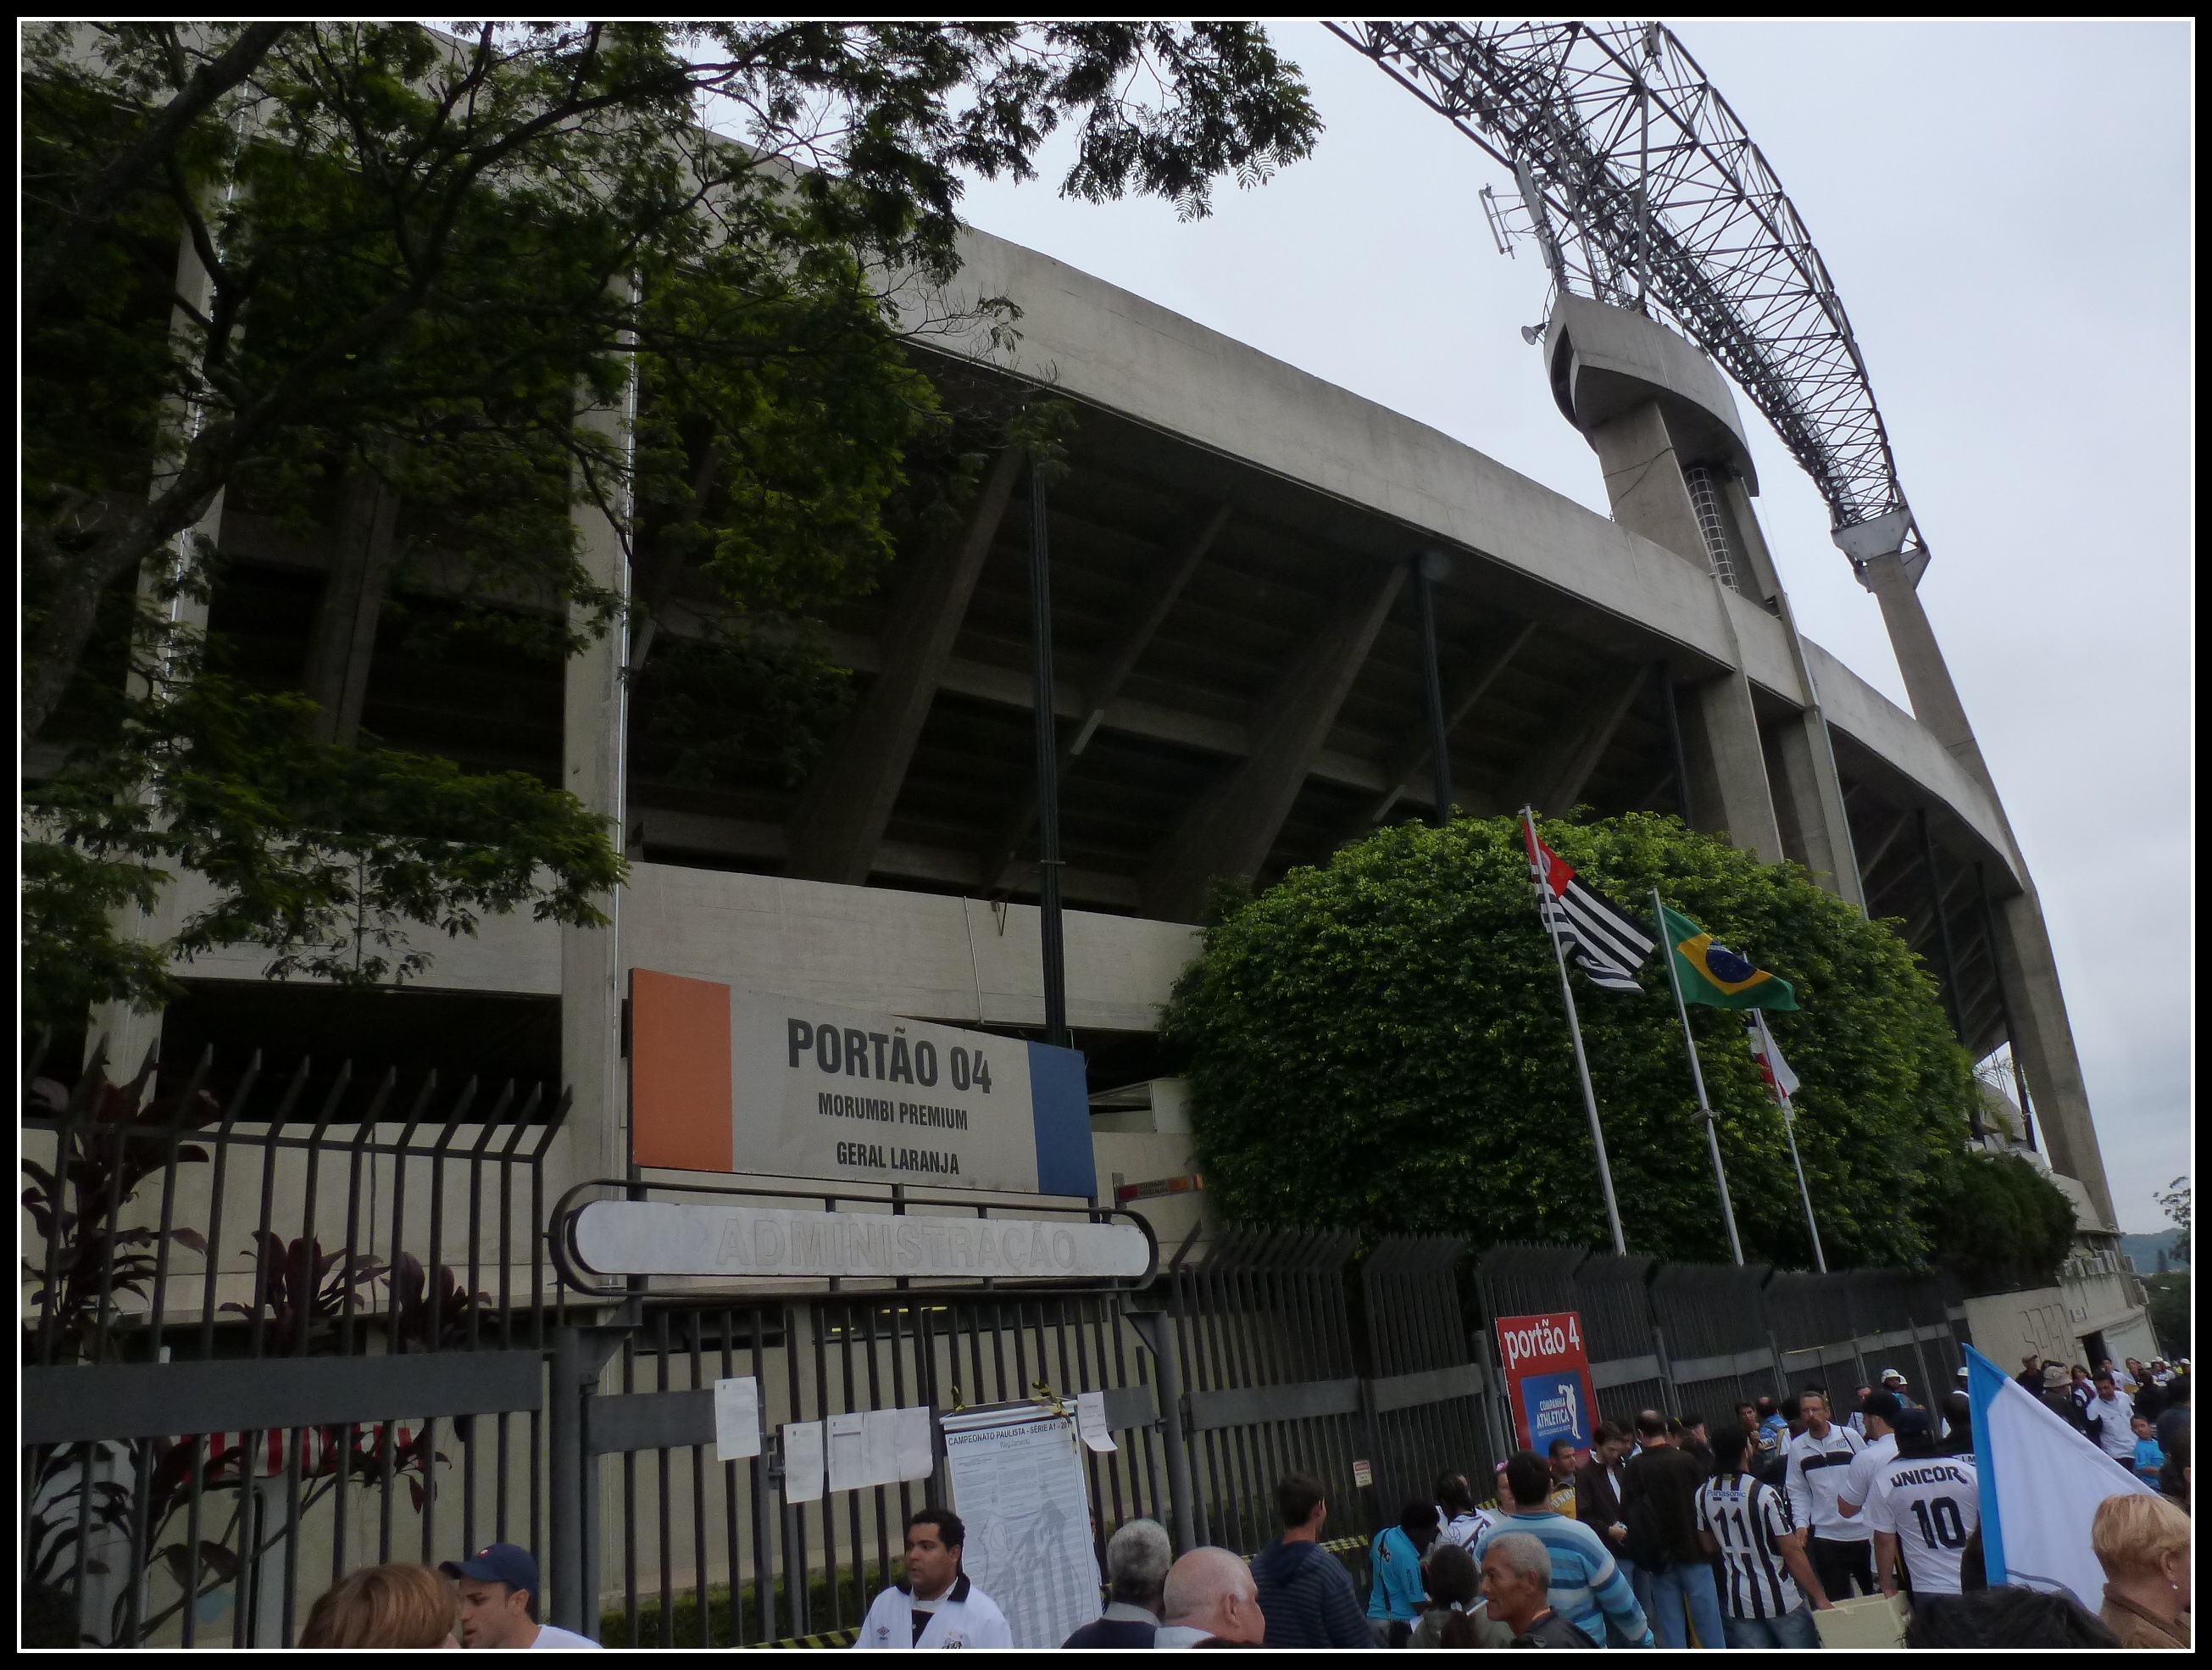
[(386, 1606), (2142, 1542)]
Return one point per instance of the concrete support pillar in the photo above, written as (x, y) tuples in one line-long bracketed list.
[(129, 1033), (593, 746), (1809, 791), (1920, 662), (1765, 580), (1808, 805), (2043, 1045), (1728, 767), (1643, 482), (1231, 829), (840, 818)]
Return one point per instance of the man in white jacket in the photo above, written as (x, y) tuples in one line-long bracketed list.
[(1821, 1459), (936, 1605)]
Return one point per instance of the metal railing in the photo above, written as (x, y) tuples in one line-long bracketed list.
[(248, 1320)]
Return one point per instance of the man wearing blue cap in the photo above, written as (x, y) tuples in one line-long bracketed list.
[(499, 1601)]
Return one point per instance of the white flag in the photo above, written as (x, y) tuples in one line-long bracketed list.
[(1768, 1054), (2041, 1484)]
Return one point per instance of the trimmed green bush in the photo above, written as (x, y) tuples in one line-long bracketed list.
[(1379, 1044)]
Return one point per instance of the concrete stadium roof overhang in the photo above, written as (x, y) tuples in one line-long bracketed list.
[(1207, 416), (1222, 517)]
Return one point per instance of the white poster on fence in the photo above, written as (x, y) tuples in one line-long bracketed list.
[(1017, 1481)]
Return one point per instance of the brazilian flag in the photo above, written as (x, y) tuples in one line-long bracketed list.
[(1711, 973)]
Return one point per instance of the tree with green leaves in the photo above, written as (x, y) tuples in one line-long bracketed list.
[(1379, 1044), (412, 265), (2174, 1201)]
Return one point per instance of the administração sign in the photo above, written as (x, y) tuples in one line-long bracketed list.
[(685, 1238)]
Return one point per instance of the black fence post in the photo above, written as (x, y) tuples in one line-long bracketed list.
[(565, 1483), (1155, 1328)]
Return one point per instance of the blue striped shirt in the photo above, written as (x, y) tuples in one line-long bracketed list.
[(1587, 1586)]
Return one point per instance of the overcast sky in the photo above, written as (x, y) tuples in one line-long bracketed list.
[(2005, 210)]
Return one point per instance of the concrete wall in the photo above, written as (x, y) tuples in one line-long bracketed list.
[(927, 956), (2005, 1326)]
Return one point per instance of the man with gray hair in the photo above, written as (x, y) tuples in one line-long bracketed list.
[(1516, 1576), (1136, 1560), (1211, 1596)]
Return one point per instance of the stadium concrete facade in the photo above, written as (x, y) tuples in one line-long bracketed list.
[(1241, 687)]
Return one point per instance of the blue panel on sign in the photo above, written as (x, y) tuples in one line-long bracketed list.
[(1556, 1406), (1059, 1093)]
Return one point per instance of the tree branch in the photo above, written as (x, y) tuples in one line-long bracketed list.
[(46, 273)]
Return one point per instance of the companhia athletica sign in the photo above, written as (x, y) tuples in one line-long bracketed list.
[(726, 1079), (1548, 1379)]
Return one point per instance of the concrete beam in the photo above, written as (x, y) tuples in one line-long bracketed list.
[(343, 637), (847, 802), (2045, 1044), (1880, 848), (1557, 777), (1920, 662), (765, 843), (1231, 829), (1469, 683), (1155, 600)]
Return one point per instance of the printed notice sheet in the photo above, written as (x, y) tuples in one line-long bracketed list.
[(848, 1452), (802, 1461), (1091, 1420), (737, 1418), (1018, 1481)]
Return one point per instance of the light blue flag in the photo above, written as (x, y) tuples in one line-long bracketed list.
[(2041, 1481)]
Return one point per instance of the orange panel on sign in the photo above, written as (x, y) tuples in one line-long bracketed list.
[(679, 1072)]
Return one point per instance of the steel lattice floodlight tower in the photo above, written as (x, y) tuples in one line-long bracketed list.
[(1645, 192)]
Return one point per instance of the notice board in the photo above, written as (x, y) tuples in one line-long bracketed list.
[(1018, 1482)]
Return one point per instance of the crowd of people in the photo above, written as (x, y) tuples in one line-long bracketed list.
[(1667, 1533), (2138, 1413), (1672, 1534)]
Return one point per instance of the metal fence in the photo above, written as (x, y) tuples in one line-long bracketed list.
[(268, 1339), (370, 1257), (1425, 1406), (1700, 1338)]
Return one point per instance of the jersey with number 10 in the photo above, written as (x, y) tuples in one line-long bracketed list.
[(1930, 1505)]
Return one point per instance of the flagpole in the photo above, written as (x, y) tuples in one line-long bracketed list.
[(1698, 1078), (1582, 1061), (1789, 1128)]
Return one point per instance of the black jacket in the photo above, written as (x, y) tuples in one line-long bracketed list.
[(1553, 1631)]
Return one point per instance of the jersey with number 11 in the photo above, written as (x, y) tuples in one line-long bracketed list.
[(1930, 1505)]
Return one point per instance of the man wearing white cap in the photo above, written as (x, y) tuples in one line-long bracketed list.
[(1895, 1383)]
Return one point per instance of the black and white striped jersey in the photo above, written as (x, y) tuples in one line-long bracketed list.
[(1749, 1519)]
